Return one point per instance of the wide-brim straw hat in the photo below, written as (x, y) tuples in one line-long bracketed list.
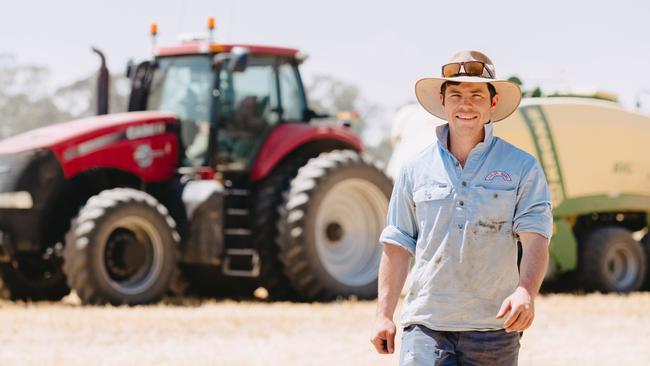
[(427, 90)]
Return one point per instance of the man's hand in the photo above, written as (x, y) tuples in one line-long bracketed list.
[(521, 307), (384, 337), (393, 269)]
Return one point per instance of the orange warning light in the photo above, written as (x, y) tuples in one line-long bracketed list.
[(211, 23), (153, 29)]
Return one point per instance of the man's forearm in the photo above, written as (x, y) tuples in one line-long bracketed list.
[(392, 274), (534, 261)]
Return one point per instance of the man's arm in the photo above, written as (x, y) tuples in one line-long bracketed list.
[(400, 239), (533, 222), (521, 304), (393, 270)]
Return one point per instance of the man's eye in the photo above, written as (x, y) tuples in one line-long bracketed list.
[(477, 96)]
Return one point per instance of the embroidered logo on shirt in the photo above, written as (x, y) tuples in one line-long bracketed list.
[(498, 173)]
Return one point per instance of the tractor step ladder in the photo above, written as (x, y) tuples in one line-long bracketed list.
[(240, 259)]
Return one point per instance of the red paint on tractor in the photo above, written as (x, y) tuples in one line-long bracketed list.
[(198, 47), (122, 155), (102, 142), (74, 132), (289, 136)]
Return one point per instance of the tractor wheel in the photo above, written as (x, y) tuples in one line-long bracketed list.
[(269, 196), (645, 242), (208, 281), (612, 261), (34, 278), (122, 248), (330, 224)]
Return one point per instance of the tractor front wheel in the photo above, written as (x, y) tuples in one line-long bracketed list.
[(121, 249)]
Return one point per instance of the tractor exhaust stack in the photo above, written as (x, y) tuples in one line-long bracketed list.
[(102, 84)]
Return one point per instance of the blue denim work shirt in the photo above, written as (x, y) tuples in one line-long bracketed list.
[(461, 224)]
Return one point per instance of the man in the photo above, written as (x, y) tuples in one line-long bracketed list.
[(459, 207)]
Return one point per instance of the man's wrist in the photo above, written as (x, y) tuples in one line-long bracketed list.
[(528, 289)]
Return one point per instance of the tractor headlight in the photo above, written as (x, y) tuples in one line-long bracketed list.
[(19, 200)]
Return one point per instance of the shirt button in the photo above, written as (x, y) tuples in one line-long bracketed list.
[(457, 164), (461, 203), (463, 183), (460, 226)]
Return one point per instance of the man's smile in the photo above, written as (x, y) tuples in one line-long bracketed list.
[(466, 117)]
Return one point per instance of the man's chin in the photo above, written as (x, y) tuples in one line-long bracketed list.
[(467, 122)]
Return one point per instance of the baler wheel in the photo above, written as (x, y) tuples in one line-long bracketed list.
[(612, 261)]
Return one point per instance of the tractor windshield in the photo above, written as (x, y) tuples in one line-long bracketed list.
[(183, 85)]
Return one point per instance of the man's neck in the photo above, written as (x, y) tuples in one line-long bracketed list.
[(460, 145)]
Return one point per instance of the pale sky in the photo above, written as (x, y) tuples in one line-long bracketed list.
[(381, 46)]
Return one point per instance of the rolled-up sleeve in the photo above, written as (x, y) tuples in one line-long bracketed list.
[(401, 226), (533, 209)]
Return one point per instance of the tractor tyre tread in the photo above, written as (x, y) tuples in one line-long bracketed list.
[(86, 225)]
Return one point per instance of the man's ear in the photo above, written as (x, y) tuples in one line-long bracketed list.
[(495, 101), (442, 99)]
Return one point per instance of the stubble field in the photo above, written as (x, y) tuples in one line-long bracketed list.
[(569, 329)]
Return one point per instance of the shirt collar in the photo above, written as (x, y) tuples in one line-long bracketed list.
[(442, 132)]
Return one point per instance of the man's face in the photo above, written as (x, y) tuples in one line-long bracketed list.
[(468, 106)]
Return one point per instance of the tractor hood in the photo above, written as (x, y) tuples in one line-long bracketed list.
[(60, 135)]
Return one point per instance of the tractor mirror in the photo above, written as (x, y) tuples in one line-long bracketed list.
[(311, 114), (130, 66), (236, 60)]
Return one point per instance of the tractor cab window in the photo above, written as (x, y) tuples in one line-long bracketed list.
[(292, 97), (183, 85), (248, 110)]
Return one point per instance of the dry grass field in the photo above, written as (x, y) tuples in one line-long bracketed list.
[(570, 329)]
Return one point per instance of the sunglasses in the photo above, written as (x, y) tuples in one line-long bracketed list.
[(470, 68)]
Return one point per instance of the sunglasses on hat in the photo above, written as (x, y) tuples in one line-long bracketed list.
[(470, 68)]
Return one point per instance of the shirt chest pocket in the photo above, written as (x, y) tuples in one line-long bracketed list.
[(430, 201), (493, 210)]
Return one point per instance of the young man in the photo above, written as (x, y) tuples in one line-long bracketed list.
[(459, 207)]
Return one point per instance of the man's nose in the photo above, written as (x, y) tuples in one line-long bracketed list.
[(466, 101)]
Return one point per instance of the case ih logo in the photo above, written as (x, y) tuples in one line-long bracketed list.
[(498, 173), (144, 155)]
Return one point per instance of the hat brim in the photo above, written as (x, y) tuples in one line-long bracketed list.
[(427, 91)]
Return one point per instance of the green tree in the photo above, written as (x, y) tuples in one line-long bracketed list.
[(329, 95), (26, 103)]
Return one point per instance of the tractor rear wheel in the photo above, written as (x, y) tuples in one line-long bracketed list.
[(612, 261), (207, 281), (122, 248), (269, 195), (329, 226)]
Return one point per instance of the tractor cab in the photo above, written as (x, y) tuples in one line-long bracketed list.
[(228, 98)]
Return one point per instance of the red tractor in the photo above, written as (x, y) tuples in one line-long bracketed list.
[(218, 174)]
